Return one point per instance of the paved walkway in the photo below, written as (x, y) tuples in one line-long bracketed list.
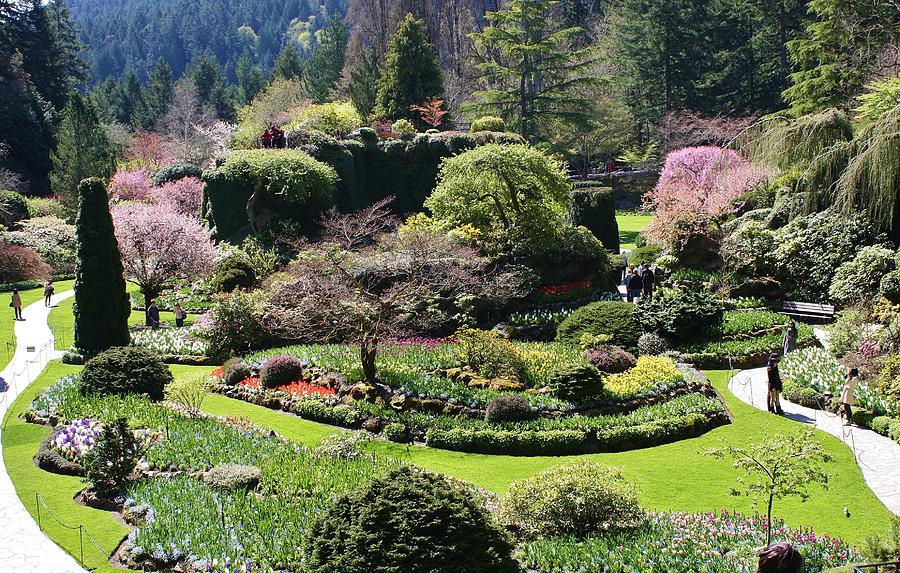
[(878, 457), (23, 548)]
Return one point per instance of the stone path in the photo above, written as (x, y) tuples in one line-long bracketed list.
[(878, 457), (23, 547)]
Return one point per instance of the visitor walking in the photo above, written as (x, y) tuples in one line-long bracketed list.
[(648, 279), (623, 267), (780, 558), (152, 315), (789, 340), (49, 289), (773, 403), (180, 315), (634, 285), (266, 138), (16, 304), (848, 396)]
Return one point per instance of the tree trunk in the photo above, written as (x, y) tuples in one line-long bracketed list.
[(368, 351), (769, 522)]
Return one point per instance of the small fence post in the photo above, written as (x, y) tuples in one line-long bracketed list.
[(81, 543), (37, 503)]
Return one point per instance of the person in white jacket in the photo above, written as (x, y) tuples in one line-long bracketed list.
[(848, 395)]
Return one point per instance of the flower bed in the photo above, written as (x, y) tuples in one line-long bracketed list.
[(741, 353), (299, 389), (77, 438), (173, 344), (681, 543)]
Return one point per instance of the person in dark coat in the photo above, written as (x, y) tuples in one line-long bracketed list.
[(49, 289), (648, 279), (634, 285), (773, 403), (266, 138), (152, 315), (780, 558)]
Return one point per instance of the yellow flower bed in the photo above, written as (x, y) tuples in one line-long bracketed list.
[(648, 373)]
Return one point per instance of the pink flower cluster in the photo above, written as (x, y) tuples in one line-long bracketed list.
[(76, 439), (130, 185), (182, 196)]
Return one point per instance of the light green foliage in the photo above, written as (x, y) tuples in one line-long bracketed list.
[(778, 466), (887, 547), (235, 323), (510, 193), (749, 250), (403, 127), (491, 356), (280, 98), (411, 72), (578, 498), (189, 392), (847, 331), (488, 123), (858, 280), (880, 97), (649, 374), (333, 118)]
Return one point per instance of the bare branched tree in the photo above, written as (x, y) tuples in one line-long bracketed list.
[(373, 284)]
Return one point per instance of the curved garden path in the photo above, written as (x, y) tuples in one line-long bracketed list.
[(23, 547), (878, 457)]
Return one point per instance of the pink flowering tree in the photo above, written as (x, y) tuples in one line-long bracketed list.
[(159, 245), (182, 195), (130, 185), (697, 187)]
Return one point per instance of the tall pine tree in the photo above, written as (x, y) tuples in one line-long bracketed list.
[(364, 78), (102, 304), (288, 65), (82, 150), (209, 79), (324, 67), (411, 73), (534, 76), (250, 79), (157, 94)]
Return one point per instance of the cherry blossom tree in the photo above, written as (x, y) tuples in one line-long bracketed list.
[(130, 185), (696, 188), (182, 195), (159, 245)]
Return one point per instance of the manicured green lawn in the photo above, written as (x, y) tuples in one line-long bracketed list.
[(671, 477), (630, 224), (7, 333), (61, 320), (20, 443)]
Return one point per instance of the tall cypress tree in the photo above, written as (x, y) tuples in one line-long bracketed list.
[(324, 68), (288, 64), (82, 150), (364, 78), (250, 79), (411, 73), (101, 300)]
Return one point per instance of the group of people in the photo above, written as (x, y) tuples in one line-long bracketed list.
[(273, 137), (152, 315), (773, 398), (639, 282), (16, 302)]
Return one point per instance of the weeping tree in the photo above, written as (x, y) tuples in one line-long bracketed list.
[(840, 167)]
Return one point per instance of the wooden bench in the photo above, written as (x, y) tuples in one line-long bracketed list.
[(813, 310)]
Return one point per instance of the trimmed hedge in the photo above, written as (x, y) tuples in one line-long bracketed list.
[(595, 209), (175, 172), (126, 370), (488, 123), (368, 169), (613, 318), (290, 184)]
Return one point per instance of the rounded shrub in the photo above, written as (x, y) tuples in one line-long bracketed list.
[(126, 370), (13, 208), (411, 521), (235, 371), (234, 272), (507, 409), (652, 344), (175, 172), (19, 264), (488, 123), (859, 279), (576, 382), (491, 356), (613, 318), (280, 370), (890, 286), (403, 127), (396, 432), (572, 499), (610, 359)]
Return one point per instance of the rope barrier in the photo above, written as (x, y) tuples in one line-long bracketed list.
[(82, 530)]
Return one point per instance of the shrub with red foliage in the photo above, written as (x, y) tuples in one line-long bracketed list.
[(281, 370), (21, 264), (610, 359)]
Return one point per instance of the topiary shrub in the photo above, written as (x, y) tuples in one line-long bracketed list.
[(280, 370), (19, 264), (595, 209), (233, 476), (890, 286), (411, 521), (126, 370), (507, 409), (610, 359), (680, 314), (576, 382), (234, 272), (235, 371), (652, 344), (13, 208), (488, 123), (175, 172), (396, 432), (572, 499), (613, 318)]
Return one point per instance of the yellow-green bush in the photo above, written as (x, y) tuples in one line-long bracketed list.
[(648, 373)]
